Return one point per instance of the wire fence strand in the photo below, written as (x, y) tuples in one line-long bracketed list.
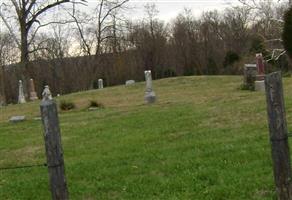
[(23, 167)]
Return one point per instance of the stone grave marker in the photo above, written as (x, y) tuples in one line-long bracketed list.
[(150, 96), (21, 97), (129, 82), (16, 119), (250, 73), (100, 83), (32, 93), (260, 79), (47, 93)]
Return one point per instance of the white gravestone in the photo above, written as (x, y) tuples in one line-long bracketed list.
[(21, 97), (150, 96), (47, 95), (16, 119), (130, 82), (100, 83)]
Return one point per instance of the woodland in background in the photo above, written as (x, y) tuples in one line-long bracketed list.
[(72, 56)]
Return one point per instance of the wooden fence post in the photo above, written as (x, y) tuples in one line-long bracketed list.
[(54, 152), (278, 135)]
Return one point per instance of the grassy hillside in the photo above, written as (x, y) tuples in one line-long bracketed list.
[(203, 139)]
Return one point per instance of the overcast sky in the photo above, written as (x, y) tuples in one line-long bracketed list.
[(169, 9)]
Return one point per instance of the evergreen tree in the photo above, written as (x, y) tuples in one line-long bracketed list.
[(287, 32)]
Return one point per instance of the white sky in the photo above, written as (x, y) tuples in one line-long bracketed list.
[(169, 9)]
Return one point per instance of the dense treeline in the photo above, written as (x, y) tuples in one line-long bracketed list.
[(72, 59), (68, 75)]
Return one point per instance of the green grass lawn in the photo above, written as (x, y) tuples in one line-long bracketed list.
[(203, 139)]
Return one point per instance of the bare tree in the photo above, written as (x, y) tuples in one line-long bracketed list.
[(53, 44), (8, 49), (234, 28), (84, 30), (116, 34), (271, 22), (28, 17), (8, 54), (149, 38), (185, 43), (104, 10), (101, 25)]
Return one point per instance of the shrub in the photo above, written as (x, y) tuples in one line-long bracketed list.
[(230, 58), (287, 32), (67, 105), (247, 87), (95, 104), (287, 74), (212, 68)]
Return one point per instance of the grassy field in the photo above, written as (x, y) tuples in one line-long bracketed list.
[(203, 139)]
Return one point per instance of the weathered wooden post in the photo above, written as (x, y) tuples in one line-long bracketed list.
[(278, 135), (54, 152)]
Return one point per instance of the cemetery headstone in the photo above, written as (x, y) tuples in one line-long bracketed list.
[(260, 66), (37, 118), (16, 119), (150, 96), (250, 73), (93, 108), (21, 97), (130, 82), (32, 93), (260, 83), (100, 83), (47, 93)]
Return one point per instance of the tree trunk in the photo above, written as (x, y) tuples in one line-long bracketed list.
[(25, 74)]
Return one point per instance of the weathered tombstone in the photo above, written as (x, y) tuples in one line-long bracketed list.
[(100, 83), (260, 83), (260, 66), (130, 82), (150, 96), (32, 93), (54, 151), (37, 118), (16, 119), (21, 97), (47, 93), (250, 73)]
